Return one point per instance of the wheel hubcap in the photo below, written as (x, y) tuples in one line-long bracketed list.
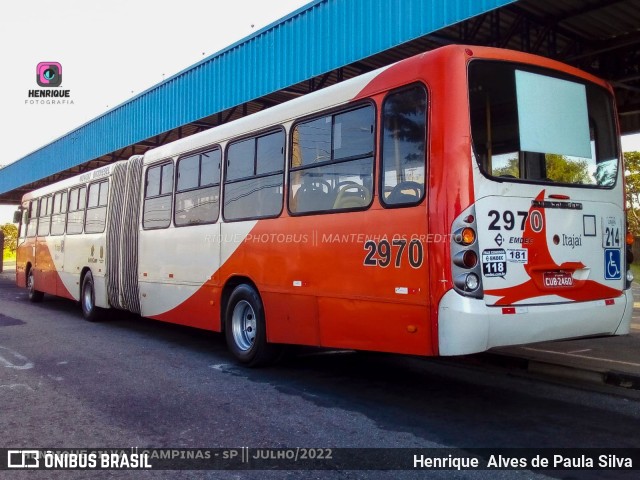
[(243, 324), (87, 299)]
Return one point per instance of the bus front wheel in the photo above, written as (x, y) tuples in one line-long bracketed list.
[(35, 296), (88, 299), (245, 328)]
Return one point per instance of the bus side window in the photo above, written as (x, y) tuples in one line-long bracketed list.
[(59, 211), (158, 196), (44, 220), (254, 177), (96, 217), (33, 218), (75, 217), (404, 125), (332, 162), (198, 188)]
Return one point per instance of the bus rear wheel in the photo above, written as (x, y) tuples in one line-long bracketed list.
[(35, 296), (245, 328), (88, 299)]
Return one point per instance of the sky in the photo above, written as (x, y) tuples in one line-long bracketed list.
[(110, 52)]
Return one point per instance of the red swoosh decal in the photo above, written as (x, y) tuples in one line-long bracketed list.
[(540, 261)]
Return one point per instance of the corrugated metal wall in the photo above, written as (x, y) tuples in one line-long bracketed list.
[(319, 37)]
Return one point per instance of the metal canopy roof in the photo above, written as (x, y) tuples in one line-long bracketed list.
[(328, 41)]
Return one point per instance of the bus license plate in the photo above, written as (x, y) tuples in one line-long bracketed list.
[(557, 279)]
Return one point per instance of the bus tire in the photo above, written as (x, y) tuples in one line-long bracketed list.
[(245, 328), (35, 296), (88, 299)]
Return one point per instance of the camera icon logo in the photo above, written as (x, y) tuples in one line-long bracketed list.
[(49, 74)]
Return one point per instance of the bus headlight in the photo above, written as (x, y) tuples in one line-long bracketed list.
[(467, 282), (472, 282)]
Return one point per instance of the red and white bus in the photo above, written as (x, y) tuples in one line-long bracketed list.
[(459, 200)]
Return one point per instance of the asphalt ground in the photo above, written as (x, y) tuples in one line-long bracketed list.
[(600, 360)]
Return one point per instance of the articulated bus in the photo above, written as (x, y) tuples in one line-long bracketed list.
[(459, 200)]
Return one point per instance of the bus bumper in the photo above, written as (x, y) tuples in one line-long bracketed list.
[(468, 325)]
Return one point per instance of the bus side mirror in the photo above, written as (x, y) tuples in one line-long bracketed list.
[(17, 216)]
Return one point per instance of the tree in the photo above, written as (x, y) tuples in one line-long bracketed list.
[(559, 169), (511, 169), (10, 236), (632, 179)]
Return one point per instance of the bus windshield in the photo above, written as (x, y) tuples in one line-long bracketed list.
[(537, 126)]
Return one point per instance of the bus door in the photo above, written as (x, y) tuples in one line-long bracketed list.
[(45, 272), (57, 229), (76, 249), (25, 251)]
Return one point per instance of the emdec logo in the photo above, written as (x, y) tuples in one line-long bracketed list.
[(49, 74)]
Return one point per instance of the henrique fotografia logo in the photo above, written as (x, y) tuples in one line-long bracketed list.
[(49, 74)]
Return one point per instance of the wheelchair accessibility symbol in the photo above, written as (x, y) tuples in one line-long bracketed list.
[(612, 264)]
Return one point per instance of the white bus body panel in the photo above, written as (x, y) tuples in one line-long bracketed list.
[(196, 255), (468, 325)]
